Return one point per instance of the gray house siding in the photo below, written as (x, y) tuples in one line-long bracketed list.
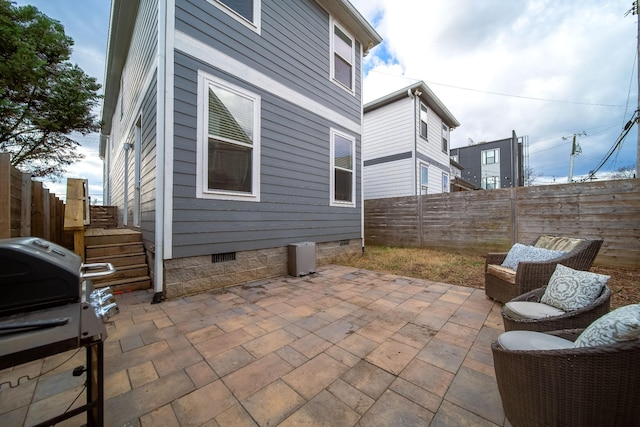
[(295, 182), (148, 164), (293, 47)]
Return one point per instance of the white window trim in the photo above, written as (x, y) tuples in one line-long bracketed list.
[(332, 175), (202, 191), (445, 137), (423, 189), (426, 111), (333, 23), (448, 187), (257, 14)]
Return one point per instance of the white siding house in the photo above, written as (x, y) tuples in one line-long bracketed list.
[(406, 137)]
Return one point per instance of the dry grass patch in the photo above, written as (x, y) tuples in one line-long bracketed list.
[(468, 270)]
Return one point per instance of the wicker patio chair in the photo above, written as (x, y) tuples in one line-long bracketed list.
[(587, 386), (580, 318), (503, 285)]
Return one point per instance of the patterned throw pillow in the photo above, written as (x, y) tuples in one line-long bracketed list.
[(570, 289), (520, 252), (622, 324)]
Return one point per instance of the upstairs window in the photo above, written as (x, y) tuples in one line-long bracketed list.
[(229, 148), (244, 11), (490, 157), (343, 183), (445, 138), (343, 57), (423, 120)]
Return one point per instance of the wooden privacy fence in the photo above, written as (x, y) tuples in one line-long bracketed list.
[(29, 209), (487, 221)]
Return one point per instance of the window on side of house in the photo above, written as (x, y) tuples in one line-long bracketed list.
[(490, 157), (445, 182), (490, 182), (343, 173), (229, 141), (445, 138), (424, 178), (342, 57), (244, 11), (423, 121)]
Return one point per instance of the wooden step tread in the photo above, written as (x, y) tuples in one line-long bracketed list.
[(132, 281), (111, 245)]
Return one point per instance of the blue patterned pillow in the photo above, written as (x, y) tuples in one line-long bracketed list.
[(622, 324), (520, 252), (570, 289)]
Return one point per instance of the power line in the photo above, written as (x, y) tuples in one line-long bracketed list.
[(559, 101)]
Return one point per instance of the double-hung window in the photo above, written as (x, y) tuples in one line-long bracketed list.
[(229, 141), (490, 182), (342, 57), (424, 178), (245, 11), (490, 157), (423, 121), (343, 171), (445, 138), (445, 182)]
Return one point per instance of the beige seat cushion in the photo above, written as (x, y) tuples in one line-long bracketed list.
[(503, 273), (530, 340), (530, 310), (557, 243)]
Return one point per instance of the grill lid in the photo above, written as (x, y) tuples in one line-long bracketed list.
[(35, 273)]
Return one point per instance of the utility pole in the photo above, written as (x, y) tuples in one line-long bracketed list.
[(634, 10), (575, 150)]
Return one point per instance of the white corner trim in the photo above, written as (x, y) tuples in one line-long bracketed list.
[(217, 59)]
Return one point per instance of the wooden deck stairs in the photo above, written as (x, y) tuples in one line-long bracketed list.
[(122, 247)]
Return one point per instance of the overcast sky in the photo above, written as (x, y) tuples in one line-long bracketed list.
[(547, 69)]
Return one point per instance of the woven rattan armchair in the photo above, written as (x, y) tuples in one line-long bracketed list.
[(532, 275), (587, 386), (580, 318)]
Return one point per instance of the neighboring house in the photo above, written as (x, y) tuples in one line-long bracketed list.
[(458, 183), (232, 129), (406, 138), (494, 164)]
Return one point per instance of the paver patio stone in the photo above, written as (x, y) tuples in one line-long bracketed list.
[(340, 347), (391, 409), (368, 378), (323, 410), (311, 377), (203, 404), (272, 404), (251, 378)]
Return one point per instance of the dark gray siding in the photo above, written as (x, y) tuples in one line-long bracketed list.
[(148, 164), (293, 47), (294, 191)]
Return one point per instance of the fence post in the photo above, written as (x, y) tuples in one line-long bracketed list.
[(513, 215), (5, 196), (25, 205), (75, 213)]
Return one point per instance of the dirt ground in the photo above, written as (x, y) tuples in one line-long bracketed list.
[(465, 270)]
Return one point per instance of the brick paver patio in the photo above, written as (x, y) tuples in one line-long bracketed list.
[(342, 347)]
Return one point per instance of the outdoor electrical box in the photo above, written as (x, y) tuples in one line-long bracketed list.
[(302, 258)]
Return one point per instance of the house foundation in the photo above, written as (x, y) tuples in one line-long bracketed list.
[(192, 275)]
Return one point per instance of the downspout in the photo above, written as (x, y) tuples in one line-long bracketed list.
[(158, 261), (361, 153)]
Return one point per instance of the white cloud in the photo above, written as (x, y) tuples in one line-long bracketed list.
[(573, 52)]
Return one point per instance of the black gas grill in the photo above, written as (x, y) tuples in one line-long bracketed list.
[(48, 306)]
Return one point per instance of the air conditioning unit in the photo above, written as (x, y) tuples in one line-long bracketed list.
[(302, 258)]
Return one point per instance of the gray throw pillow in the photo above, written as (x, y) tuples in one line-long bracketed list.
[(570, 289), (520, 252), (622, 324)]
